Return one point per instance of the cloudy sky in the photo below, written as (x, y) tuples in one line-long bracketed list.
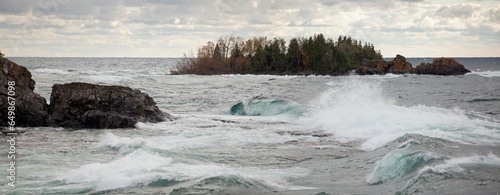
[(169, 28)]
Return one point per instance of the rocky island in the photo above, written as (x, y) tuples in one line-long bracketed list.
[(316, 55), (399, 65), (83, 105)]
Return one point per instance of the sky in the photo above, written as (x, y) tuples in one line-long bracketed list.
[(170, 28)]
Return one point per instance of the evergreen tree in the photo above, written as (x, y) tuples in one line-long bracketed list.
[(217, 54), (2, 61), (312, 55), (293, 56)]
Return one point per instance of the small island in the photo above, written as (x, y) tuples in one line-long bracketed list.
[(315, 55)]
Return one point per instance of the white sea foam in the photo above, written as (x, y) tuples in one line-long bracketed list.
[(487, 73), (121, 143), (51, 71), (141, 168), (386, 76), (110, 79), (356, 109), (188, 132), (453, 164)]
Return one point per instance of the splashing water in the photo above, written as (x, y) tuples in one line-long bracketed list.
[(356, 109)]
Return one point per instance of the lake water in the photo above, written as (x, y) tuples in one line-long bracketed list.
[(390, 134)]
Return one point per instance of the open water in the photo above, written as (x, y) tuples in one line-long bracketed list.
[(263, 134)]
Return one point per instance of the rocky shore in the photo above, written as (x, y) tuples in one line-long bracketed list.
[(74, 105), (31, 108), (83, 105)]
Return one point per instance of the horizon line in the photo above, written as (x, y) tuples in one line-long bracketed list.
[(195, 57)]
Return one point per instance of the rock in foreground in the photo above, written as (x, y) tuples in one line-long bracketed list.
[(441, 66), (83, 105), (31, 109)]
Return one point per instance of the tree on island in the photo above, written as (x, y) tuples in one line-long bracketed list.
[(2, 60), (259, 55)]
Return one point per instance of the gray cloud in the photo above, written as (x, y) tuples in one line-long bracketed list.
[(171, 27), (494, 15), (16, 7), (458, 11)]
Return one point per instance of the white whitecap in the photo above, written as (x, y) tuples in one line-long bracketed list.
[(356, 109), (488, 73), (110, 79), (121, 143), (51, 71), (141, 168)]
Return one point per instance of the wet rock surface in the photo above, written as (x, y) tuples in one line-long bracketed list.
[(441, 66), (84, 105), (31, 109)]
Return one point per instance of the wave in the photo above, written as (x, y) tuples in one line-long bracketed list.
[(109, 79), (143, 168), (486, 73), (356, 109), (52, 71), (190, 132), (452, 169), (121, 143), (484, 100), (399, 163), (259, 106)]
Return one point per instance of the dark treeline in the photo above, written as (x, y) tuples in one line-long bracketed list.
[(2, 60), (1, 56), (313, 55)]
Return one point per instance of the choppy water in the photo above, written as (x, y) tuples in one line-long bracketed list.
[(392, 134)]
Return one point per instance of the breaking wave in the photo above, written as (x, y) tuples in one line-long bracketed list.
[(143, 168), (356, 109), (259, 106)]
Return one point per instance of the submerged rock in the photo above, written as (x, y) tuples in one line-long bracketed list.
[(442, 66), (83, 105), (31, 109)]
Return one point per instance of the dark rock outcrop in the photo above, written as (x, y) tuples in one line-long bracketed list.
[(362, 70), (368, 67), (31, 108), (441, 66), (83, 105), (398, 65)]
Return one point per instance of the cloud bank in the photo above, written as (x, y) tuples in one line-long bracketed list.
[(169, 28)]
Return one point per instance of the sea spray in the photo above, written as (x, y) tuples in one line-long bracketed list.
[(357, 109)]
